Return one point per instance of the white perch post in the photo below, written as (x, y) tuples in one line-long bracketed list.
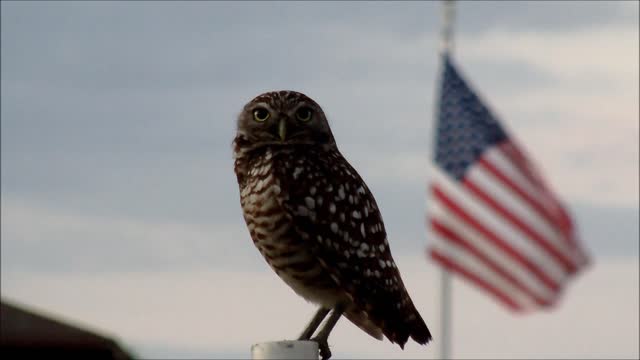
[(303, 350)]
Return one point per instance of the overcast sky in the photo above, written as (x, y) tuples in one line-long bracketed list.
[(120, 206)]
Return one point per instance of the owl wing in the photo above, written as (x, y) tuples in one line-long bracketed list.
[(336, 213)]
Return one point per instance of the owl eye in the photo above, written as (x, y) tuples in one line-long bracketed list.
[(304, 114), (260, 114)]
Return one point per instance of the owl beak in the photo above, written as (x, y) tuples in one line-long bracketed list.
[(282, 129)]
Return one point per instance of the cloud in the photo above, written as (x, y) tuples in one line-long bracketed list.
[(475, 17), (227, 311), (36, 238), (42, 237), (604, 53), (158, 97)]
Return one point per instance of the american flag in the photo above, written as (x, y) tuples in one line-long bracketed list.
[(493, 220)]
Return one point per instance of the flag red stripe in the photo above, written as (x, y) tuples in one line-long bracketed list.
[(495, 239), (519, 160), (525, 168), (550, 218), (452, 236), (566, 221), (560, 220), (473, 278), (565, 261)]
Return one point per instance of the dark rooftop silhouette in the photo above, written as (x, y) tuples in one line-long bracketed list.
[(25, 332)]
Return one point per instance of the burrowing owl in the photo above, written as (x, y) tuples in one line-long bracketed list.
[(315, 221)]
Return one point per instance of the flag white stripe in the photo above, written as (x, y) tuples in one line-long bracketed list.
[(485, 246), (465, 260), (498, 225), (519, 208), (499, 159)]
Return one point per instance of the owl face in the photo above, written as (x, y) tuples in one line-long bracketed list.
[(283, 118)]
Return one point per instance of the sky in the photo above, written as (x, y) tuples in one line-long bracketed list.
[(120, 208)]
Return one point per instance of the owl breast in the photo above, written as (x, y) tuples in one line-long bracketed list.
[(273, 232)]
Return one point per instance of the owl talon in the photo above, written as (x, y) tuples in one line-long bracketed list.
[(313, 325), (323, 335), (323, 345)]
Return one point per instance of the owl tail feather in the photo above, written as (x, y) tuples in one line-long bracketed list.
[(361, 320), (419, 330), (414, 327)]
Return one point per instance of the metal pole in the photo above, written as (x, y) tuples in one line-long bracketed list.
[(448, 17), (445, 315), (448, 12)]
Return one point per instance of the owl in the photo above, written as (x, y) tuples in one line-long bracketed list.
[(316, 223)]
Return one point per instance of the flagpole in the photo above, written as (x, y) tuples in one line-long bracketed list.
[(446, 35), (448, 12)]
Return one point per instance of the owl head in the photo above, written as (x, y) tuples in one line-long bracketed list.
[(283, 118)]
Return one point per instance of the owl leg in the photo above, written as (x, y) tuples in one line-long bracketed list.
[(313, 325), (323, 335)]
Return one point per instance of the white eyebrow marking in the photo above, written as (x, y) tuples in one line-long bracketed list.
[(260, 104)]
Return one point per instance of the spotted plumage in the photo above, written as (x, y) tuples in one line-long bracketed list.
[(314, 219)]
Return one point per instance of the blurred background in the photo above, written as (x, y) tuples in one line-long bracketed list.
[(120, 208)]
